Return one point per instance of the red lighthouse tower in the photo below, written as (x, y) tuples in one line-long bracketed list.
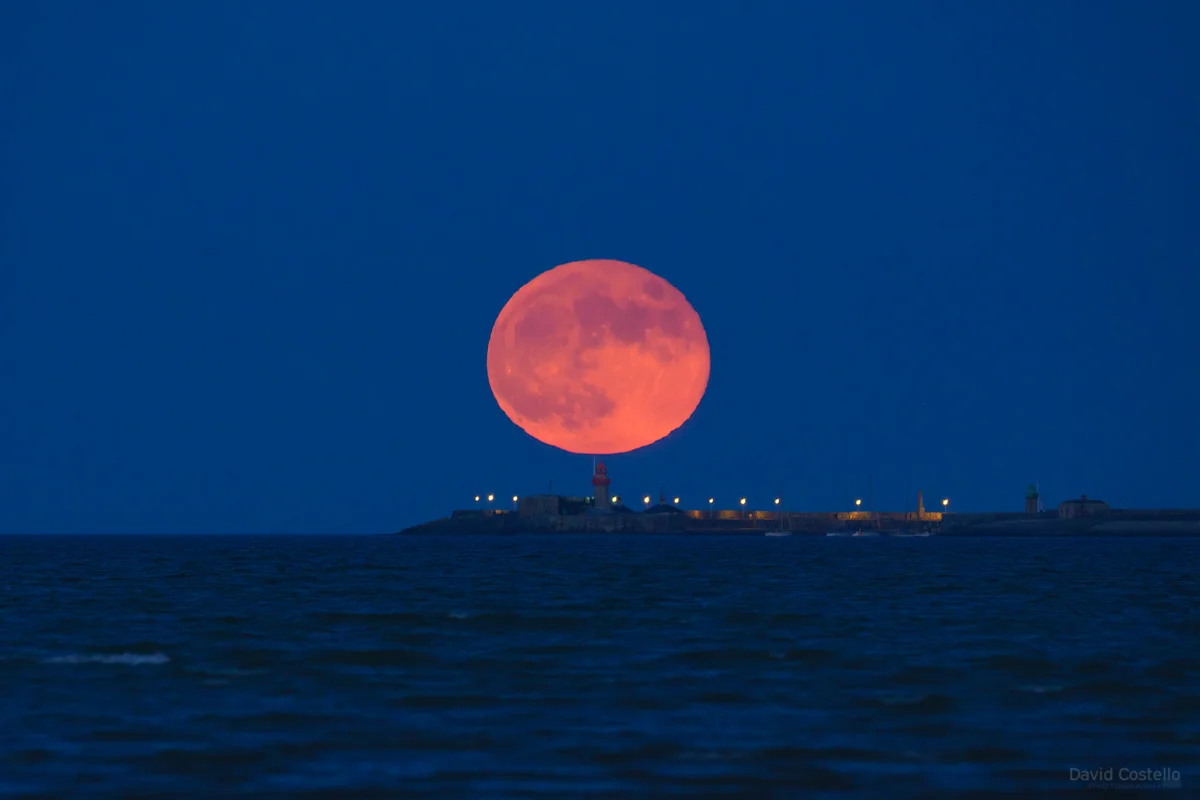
[(600, 483)]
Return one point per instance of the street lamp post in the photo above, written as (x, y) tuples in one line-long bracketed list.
[(711, 513)]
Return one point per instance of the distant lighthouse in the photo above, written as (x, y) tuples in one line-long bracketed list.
[(1031, 499), (600, 488)]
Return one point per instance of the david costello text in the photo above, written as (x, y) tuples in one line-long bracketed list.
[(1128, 777)]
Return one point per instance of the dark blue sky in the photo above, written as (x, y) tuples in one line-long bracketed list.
[(251, 253)]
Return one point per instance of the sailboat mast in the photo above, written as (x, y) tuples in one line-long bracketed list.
[(871, 496), (780, 509)]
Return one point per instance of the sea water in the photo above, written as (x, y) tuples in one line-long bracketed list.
[(611, 666)]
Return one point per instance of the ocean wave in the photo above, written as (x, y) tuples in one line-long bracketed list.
[(396, 657), (132, 659), (932, 703), (1033, 688)]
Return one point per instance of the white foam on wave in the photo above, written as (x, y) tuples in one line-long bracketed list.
[(134, 659)]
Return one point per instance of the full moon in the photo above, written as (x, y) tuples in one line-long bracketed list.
[(598, 357)]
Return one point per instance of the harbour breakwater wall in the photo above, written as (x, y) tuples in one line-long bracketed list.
[(1117, 522), (688, 520)]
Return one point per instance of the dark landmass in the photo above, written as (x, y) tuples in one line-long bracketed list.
[(1117, 522), (666, 519)]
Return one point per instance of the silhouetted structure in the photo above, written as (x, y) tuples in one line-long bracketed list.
[(1083, 507), (600, 484), (605, 513), (556, 513), (1031, 499)]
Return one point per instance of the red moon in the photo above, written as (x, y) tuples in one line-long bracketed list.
[(598, 357)]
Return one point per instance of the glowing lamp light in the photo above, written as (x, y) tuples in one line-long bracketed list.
[(776, 501), (945, 502), (710, 501), (858, 502), (476, 498), (616, 499), (742, 501), (676, 501), (646, 499), (491, 497), (514, 498)]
